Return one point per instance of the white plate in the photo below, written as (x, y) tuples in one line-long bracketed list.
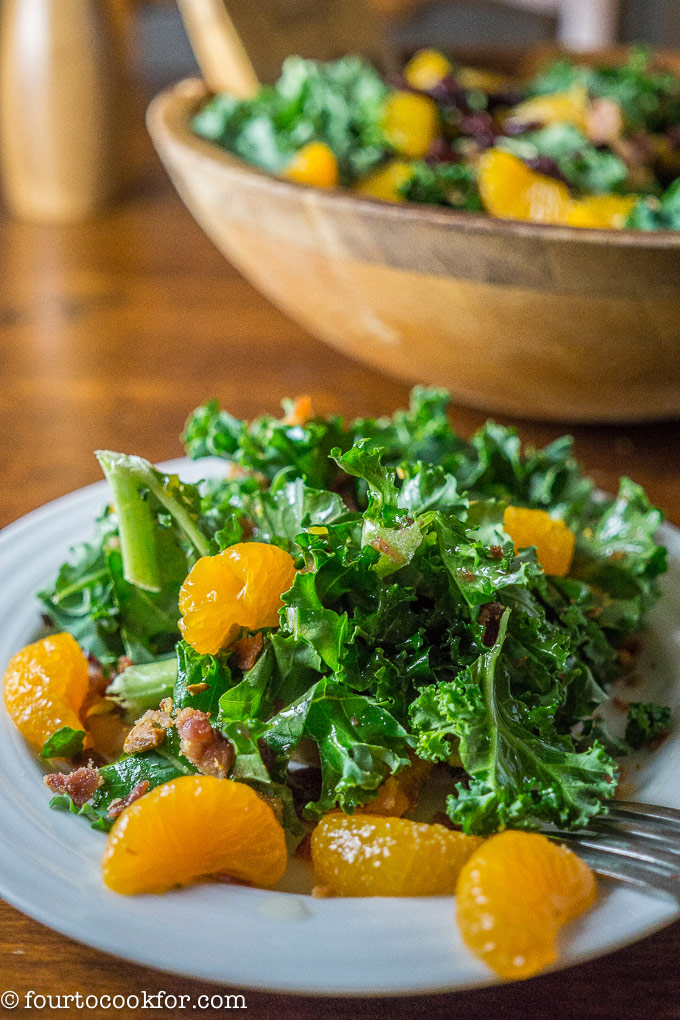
[(249, 938)]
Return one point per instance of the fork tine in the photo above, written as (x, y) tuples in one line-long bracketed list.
[(645, 831), (659, 880), (621, 846), (669, 817)]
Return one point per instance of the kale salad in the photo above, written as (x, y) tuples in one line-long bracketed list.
[(412, 626), (575, 143)]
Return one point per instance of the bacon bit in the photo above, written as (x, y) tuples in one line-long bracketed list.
[(79, 785), (96, 677), (304, 847), (386, 549), (625, 659), (490, 616), (616, 556), (194, 689), (496, 551), (467, 575), (246, 651), (322, 892), (620, 704), (632, 680), (208, 750), (247, 527), (149, 731), (633, 644), (116, 807), (124, 662), (301, 412), (594, 613), (656, 742), (442, 819)]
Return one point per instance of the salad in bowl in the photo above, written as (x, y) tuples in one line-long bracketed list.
[(375, 645), (576, 145)]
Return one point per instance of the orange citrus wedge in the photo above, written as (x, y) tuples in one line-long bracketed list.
[(370, 855), (553, 540), (514, 894), (45, 686), (240, 587), (191, 828)]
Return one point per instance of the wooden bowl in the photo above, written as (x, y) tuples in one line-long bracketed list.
[(517, 318)]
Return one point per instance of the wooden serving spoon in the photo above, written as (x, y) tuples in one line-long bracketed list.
[(238, 47)]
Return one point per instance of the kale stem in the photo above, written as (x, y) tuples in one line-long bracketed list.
[(136, 522), (129, 477), (144, 686)]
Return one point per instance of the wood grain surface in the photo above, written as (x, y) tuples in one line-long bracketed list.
[(110, 333)]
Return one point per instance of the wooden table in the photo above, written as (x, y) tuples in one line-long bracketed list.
[(110, 333)]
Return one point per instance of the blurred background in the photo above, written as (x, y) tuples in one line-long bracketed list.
[(164, 54)]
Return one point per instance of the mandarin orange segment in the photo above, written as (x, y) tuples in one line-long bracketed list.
[(370, 855), (427, 68), (45, 686), (410, 123), (239, 587), (604, 211), (315, 163), (191, 828), (513, 896), (569, 107), (208, 601), (387, 182), (265, 573), (510, 190), (553, 540)]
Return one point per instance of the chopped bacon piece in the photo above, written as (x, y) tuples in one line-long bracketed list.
[(116, 807), (208, 750), (148, 732), (79, 785), (490, 617), (246, 651)]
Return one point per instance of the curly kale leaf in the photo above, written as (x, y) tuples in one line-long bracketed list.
[(453, 184), (583, 165), (646, 724), (268, 445), (82, 600), (522, 771), (662, 213), (617, 555), (339, 103), (285, 668), (359, 743), (121, 777), (649, 98)]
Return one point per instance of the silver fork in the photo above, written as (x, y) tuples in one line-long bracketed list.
[(638, 844)]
